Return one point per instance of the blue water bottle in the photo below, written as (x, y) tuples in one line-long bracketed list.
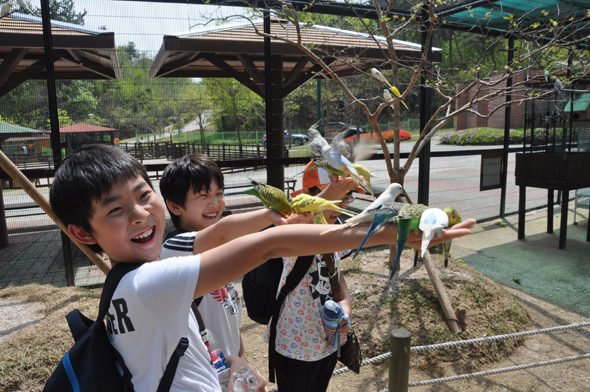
[(332, 315)]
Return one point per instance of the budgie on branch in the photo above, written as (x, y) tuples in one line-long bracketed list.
[(379, 76), (270, 197), (389, 195)]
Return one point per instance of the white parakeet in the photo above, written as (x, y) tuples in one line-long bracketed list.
[(432, 221)]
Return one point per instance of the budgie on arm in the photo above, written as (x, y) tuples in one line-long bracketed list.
[(305, 203), (408, 219), (432, 222), (389, 195), (317, 141), (386, 213), (270, 197), (454, 218)]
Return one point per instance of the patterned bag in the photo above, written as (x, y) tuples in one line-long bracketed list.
[(350, 353)]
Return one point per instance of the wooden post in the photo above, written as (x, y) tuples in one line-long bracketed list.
[(441, 294), (399, 364)]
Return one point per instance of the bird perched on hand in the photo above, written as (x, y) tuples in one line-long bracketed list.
[(388, 196), (317, 140), (386, 213), (5, 10), (270, 197), (305, 203), (23, 5), (408, 219), (454, 218), (366, 173), (340, 162), (379, 76), (432, 222)]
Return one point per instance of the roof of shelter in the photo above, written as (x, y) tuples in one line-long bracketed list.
[(581, 103), (238, 51), (10, 130), (84, 128), (78, 53)]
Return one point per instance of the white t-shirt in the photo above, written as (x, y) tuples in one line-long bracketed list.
[(221, 309), (149, 313)]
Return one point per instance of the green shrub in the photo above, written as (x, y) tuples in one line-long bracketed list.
[(495, 136)]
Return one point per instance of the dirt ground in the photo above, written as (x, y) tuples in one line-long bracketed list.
[(34, 334), (569, 376)]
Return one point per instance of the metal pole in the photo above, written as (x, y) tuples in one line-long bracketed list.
[(507, 117), (54, 124), (275, 140), (319, 90), (425, 114), (399, 364)]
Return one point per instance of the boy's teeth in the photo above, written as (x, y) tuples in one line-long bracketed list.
[(146, 234), (210, 215)]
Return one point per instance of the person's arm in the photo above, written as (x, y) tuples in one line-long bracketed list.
[(228, 262), (242, 353), (237, 225), (345, 302)]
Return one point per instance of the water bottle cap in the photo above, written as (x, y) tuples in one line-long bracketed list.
[(331, 305)]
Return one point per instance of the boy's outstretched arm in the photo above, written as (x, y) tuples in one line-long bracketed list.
[(238, 225), (230, 261)]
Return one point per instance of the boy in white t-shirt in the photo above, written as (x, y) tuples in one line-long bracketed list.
[(105, 199)]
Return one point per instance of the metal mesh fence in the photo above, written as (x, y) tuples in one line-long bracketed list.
[(106, 93)]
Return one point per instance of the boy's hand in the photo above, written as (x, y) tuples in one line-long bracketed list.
[(459, 230), (279, 220), (340, 185), (235, 362)]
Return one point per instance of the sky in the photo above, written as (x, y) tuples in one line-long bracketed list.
[(146, 23)]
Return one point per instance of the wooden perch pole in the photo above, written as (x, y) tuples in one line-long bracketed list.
[(441, 294), (42, 202)]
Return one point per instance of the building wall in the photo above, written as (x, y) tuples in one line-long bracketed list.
[(496, 120)]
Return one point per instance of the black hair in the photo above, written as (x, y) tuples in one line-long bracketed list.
[(189, 173), (86, 176)]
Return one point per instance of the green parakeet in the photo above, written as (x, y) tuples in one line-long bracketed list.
[(454, 218), (408, 219), (270, 197), (305, 203), (385, 213)]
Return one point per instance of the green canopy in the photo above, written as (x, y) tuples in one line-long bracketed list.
[(580, 103)]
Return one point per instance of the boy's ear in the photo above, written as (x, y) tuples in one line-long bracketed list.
[(80, 235), (173, 207)]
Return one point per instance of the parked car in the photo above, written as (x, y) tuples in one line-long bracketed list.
[(334, 128), (297, 139)]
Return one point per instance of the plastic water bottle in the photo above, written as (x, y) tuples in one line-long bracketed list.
[(244, 380), (332, 315), (218, 360)]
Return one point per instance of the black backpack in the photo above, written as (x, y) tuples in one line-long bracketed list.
[(259, 289), (90, 363)]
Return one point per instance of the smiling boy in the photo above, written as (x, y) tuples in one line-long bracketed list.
[(105, 199), (192, 187)]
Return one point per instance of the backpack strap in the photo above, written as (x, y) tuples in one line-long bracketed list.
[(110, 285), (295, 276)]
